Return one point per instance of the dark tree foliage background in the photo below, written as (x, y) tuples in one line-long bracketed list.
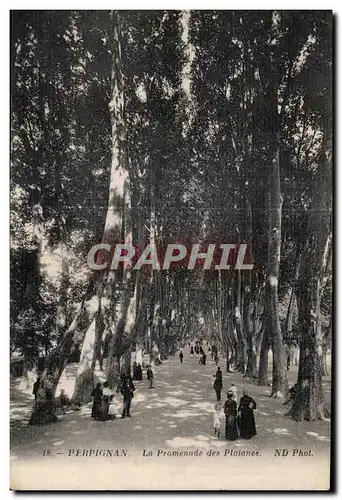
[(224, 112)]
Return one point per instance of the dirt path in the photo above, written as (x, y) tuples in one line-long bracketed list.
[(176, 414)]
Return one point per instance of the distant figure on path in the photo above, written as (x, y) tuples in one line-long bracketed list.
[(216, 359), (231, 417), (247, 421), (139, 375), (181, 355), (218, 415), (127, 390), (149, 374), (218, 384), (97, 401), (36, 386), (191, 351)]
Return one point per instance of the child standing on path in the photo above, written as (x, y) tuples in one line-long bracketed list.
[(181, 356), (218, 416), (114, 409)]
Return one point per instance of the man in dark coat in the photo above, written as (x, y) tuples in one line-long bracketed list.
[(149, 374), (218, 384), (97, 402), (127, 389)]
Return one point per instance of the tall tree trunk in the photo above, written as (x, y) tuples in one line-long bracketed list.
[(247, 282), (275, 203), (84, 382), (274, 209), (291, 306), (265, 345), (85, 375), (62, 306), (326, 345), (73, 337), (278, 372), (309, 400), (241, 361)]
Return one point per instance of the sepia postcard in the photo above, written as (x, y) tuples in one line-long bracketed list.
[(171, 250)]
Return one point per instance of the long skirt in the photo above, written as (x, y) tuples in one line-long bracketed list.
[(231, 427), (96, 410), (104, 409), (247, 424)]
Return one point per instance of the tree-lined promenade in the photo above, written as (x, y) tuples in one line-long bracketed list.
[(166, 126), (176, 415)]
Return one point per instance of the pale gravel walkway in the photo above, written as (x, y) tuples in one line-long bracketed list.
[(175, 415)]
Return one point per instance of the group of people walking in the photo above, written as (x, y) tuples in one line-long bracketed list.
[(199, 351), (105, 404), (214, 353), (239, 420), (102, 396), (236, 419)]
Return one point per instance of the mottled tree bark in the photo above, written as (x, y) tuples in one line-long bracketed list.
[(43, 411), (309, 400), (247, 290)]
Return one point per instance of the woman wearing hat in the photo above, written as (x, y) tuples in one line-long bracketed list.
[(247, 422), (230, 410)]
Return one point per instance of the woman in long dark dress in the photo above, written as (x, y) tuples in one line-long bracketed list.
[(230, 407), (247, 421), (127, 389)]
